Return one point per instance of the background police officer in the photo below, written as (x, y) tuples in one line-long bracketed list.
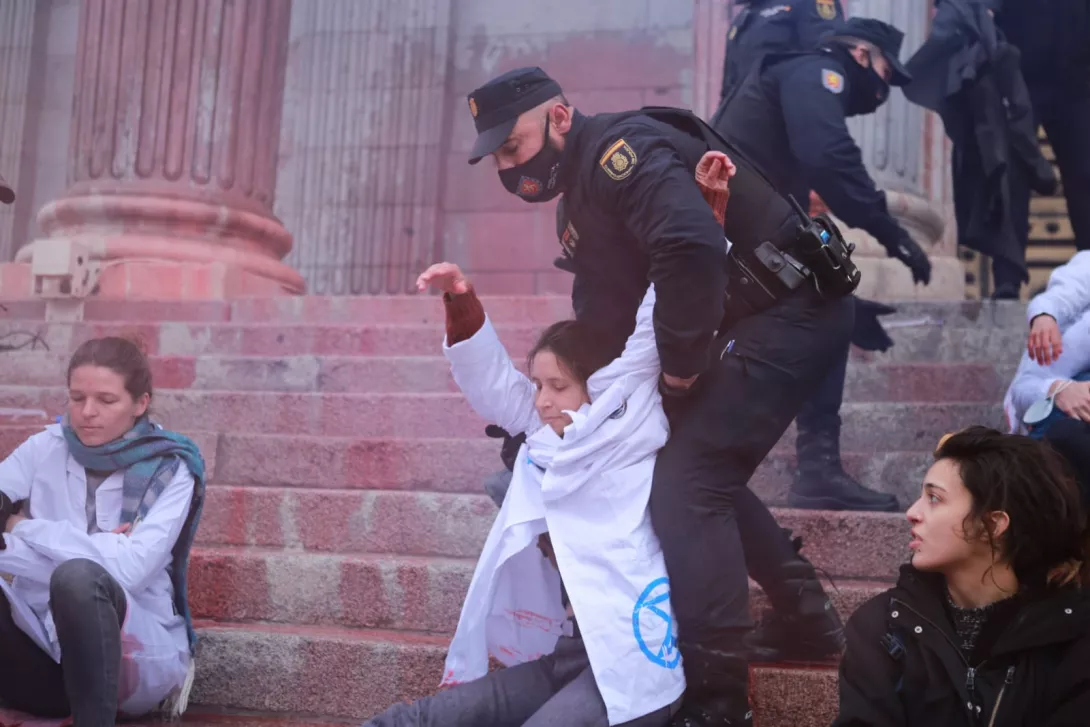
[(739, 349), (789, 117), (768, 26)]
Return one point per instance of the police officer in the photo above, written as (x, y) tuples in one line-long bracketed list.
[(743, 336), (768, 26), (789, 117)]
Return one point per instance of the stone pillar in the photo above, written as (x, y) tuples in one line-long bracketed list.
[(173, 149), (16, 45), (905, 150)]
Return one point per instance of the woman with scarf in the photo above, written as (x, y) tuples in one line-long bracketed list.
[(99, 513)]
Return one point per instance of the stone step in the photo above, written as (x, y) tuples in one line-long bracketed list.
[(460, 465), (355, 674), (868, 426), (455, 525), (399, 593), (866, 381), (923, 341)]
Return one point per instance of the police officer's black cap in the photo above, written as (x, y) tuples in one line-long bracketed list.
[(7, 194), (496, 106), (887, 38)]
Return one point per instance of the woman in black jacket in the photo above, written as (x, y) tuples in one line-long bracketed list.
[(990, 624)]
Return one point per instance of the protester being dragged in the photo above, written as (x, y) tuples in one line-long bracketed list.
[(1049, 396), (570, 591), (989, 626), (968, 73), (99, 513)]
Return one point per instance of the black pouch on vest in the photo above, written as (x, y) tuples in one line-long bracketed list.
[(826, 254)]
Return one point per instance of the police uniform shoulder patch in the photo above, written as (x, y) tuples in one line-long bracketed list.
[(826, 9), (473, 106), (832, 80), (619, 160), (733, 32)]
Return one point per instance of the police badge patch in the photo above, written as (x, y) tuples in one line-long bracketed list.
[(826, 9), (473, 106), (569, 239), (619, 160), (832, 80), (529, 187)]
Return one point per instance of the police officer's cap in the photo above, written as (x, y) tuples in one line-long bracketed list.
[(7, 194), (496, 106), (887, 39)]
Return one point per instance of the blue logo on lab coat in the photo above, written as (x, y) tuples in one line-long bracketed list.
[(653, 625)]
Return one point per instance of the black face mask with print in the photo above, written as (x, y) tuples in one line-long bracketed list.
[(538, 178)]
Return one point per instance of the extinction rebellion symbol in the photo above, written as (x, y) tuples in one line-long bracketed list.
[(653, 625)]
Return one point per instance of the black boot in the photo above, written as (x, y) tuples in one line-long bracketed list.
[(717, 687), (804, 624), (821, 482)]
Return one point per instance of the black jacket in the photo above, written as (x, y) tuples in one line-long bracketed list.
[(773, 26), (1054, 39), (636, 216), (790, 117), (970, 75), (903, 666)]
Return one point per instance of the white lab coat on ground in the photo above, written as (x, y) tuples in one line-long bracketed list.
[(589, 490), (1067, 299), (154, 643)]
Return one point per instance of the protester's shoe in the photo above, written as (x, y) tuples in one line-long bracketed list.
[(821, 482), (805, 625), (717, 688)]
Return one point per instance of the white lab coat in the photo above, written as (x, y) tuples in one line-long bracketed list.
[(1067, 299), (589, 490), (155, 646)]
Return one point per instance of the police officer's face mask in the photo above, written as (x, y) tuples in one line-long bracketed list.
[(538, 178), (868, 90)]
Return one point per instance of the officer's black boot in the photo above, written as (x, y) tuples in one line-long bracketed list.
[(821, 482), (803, 624), (717, 686)]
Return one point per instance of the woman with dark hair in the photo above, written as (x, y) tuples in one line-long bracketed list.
[(570, 592), (98, 514), (990, 623)]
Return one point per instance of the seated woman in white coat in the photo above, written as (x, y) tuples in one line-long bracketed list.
[(1049, 397), (570, 592), (98, 513)]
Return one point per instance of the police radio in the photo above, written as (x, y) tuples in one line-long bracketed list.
[(826, 253)]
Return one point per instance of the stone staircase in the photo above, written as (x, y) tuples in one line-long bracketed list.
[(345, 508)]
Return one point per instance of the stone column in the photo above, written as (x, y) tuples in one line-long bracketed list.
[(905, 150), (16, 44), (173, 149)]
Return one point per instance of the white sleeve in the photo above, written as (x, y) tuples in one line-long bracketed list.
[(640, 356), (1067, 294), (132, 559), (495, 389), (1030, 384), (17, 471)]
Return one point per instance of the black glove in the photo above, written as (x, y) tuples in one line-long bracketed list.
[(511, 445), (907, 251)]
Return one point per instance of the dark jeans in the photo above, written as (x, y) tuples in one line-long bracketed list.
[(700, 502), (88, 610), (1066, 118), (557, 690), (821, 411), (1071, 438)]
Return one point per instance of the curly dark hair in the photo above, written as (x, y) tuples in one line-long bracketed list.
[(1046, 540)]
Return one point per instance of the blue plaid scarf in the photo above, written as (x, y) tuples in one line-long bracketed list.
[(150, 457)]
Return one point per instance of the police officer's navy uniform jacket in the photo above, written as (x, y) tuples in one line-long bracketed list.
[(904, 666), (789, 117), (771, 26), (637, 215)]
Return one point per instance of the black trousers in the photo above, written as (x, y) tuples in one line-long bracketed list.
[(1071, 438), (1065, 116), (88, 610), (700, 502)]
